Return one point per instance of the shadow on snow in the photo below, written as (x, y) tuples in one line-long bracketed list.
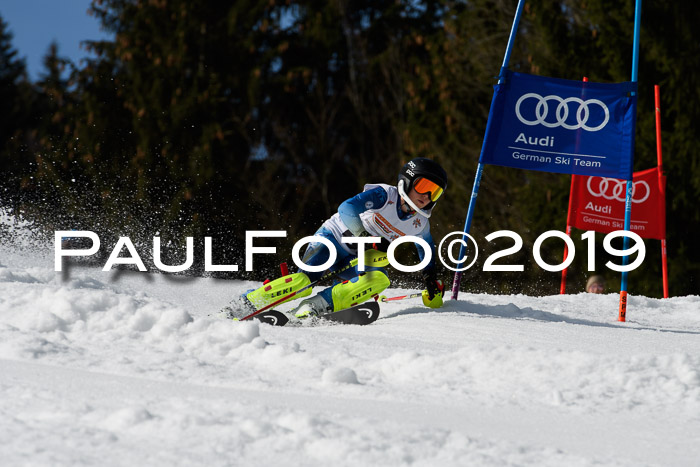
[(511, 311)]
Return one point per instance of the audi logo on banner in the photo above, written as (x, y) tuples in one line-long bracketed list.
[(614, 189), (561, 112)]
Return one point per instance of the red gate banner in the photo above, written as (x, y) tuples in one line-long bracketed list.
[(599, 204)]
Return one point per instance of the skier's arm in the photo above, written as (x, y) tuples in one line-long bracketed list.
[(351, 209)]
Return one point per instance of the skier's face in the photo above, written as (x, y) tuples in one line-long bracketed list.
[(419, 199)]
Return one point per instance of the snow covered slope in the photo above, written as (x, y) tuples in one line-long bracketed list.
[(128, 369)]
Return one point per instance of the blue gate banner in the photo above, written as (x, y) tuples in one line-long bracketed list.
[(562, 126)]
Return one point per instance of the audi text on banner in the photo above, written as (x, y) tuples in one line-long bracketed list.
[(562, 126)]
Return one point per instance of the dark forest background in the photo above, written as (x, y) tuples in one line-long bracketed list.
[(206, 118)]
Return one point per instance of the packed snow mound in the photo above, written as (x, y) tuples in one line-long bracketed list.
[(65, 317), (85, 322)]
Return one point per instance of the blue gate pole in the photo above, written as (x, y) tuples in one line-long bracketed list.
[(480, 167), (622, 314)]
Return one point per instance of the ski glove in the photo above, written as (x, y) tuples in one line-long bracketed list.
[(432, 296)]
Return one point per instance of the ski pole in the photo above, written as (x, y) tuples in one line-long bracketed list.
[(384, 298), (373, 258)]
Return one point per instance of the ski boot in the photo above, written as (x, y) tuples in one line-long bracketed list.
[(359, 289), (344, 295), (313, 306), (271, 291)]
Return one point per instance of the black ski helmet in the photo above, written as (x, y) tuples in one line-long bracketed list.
[(420, 168)]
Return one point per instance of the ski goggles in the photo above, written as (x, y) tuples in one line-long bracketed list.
[(423, 186)]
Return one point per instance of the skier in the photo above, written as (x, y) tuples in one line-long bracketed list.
[(380, 211)]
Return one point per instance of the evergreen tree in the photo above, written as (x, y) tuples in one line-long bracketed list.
[(16, 97)]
